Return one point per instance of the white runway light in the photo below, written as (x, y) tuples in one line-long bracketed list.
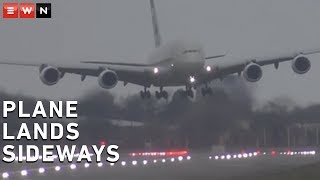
[(57, 168), (41, 170), (155, 161), (172, 159), (5, 175), (123, 163), (134, 163), (228, 157), (73, 166), (163, 160), (100, 164), (216, 157), (24, 173), (86, 165), (145, 162), (188, 157)]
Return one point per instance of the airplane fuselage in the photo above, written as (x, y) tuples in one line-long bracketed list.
[(178, 62)]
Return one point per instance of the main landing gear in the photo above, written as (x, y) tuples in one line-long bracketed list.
[(188, 92), (145, 94), (162, 94), (206, 91)]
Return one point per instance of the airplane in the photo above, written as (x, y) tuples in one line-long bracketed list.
[(176, 63)]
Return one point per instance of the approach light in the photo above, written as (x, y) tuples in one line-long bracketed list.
[(155, 70)]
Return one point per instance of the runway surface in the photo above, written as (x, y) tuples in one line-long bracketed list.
[(192, 166)]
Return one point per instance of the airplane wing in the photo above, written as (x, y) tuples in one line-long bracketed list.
[(228, 65), (126, 72)]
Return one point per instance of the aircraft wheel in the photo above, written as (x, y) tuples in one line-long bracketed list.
[(158, 95), (142, 95), (190, 93), (165, 94), (148, 94)]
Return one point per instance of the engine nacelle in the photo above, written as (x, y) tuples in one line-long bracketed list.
[(252, 72), (301, 65), (108, 79), (50, 75)]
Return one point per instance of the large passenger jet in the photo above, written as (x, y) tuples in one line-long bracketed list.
[(176, 63)]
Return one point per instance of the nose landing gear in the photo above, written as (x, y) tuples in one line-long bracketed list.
[(162, 94), (206, 91)]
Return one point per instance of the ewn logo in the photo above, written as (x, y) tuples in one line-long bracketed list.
[(26, 10)]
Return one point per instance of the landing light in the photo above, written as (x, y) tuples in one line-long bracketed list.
[(192, 79), (208, 68), (156, 70)]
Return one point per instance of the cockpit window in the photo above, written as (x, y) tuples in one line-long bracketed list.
[(190, 51)]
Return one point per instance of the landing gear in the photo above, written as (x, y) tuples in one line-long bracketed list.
[(145, 94), (188, 92), (162, 94), (206, 91)]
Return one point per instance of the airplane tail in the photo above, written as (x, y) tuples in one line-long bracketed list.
[(156, 32)]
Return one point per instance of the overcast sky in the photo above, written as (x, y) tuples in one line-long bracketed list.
[(121, 30)]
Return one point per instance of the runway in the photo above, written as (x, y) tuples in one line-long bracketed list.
[(190, 166)]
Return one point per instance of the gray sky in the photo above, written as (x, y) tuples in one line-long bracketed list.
[(121, 30)]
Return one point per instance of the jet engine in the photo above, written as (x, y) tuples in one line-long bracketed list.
[(50, 75), (301, 65), (252, 72), (108, 79)]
